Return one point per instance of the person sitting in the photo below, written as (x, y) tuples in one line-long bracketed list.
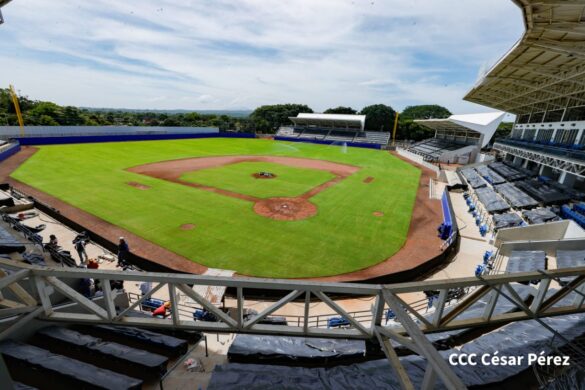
[(163, 310), (53, 243)]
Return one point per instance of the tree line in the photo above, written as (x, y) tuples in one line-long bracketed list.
[(264, 119)]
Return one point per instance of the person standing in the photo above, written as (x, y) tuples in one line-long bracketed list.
[(145, 287), (123, 252), (79, 243)]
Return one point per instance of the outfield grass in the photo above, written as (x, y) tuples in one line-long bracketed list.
[(344, 236), (289, 181)]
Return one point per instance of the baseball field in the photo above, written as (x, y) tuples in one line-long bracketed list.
[(259, 207)]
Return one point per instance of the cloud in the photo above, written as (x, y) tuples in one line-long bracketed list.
[(204, 54)]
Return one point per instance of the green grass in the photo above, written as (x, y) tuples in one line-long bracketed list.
[(289, 181), (344, 236)]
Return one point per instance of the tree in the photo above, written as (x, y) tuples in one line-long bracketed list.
[(430, 111), (341, 110), (379, 117), (277, 115)]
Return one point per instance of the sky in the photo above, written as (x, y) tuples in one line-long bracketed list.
[(240, 54)]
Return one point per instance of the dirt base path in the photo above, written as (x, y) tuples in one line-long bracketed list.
[(284, 209), (422, 243)]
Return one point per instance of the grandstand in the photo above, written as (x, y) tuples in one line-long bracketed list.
[(332, 128), (513, 224), (458, 139)]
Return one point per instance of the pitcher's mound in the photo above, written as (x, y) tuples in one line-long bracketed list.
[(285, 209)]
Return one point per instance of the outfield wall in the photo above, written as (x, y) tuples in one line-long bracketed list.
[(82, 139), (9, 150), (321, 142)]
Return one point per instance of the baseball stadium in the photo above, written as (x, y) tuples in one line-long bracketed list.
[(325, 255)]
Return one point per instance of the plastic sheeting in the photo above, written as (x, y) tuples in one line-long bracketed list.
[(490, 175), (146, 339), (507, 220), (23, 359), (474, 180), (570, 259), (9, 244), (540, 216), (515, 197), (515, 339), (492, 202), (507, 172), (526, 261), (542, 192), (295, 350), (136, 361)]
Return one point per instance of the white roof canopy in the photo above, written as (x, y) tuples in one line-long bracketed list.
[(341, 121), (545, 70), (485, 124)]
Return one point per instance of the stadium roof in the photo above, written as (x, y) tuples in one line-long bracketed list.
[(330, 120), (545, 70), (485, 124)]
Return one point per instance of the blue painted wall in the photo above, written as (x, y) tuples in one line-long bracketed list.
[(10, 151), (322, 142)]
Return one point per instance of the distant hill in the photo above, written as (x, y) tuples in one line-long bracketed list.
[(231, 113)]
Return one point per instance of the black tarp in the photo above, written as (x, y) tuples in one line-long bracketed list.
[(139, 338), (570, 259), (492, 202), (22, 386), (515, 197), (474, 180), (537, 216), (9, 244), (509, 173), (490, 175), (113, 356), (514, 339), (191, 336), (542, 192), (526, 261), (298, 351), (507, 220), (41, 368)]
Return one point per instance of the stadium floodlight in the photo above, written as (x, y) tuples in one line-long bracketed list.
[(2, 4)]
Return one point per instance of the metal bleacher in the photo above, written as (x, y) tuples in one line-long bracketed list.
[(432, 148)]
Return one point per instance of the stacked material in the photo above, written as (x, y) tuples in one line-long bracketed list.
[(526, 261), (492, 202), (502, 221), (507, 172), (537, 216), (8, 243), (515, 197), (570, 259), (542, 192), (474, 180), (515, 339), (37, 366), (489, 175), (295, 351)]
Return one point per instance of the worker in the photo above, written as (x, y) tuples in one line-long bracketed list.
[(79, 242), (123, 252), (163, 310)]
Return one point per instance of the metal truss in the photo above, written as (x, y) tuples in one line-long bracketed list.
[(408, 329), (556, 162)]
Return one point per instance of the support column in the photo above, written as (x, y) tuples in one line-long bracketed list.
[(567, 179)]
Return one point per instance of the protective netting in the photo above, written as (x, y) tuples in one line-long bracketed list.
[(492, 202), (515, 197)]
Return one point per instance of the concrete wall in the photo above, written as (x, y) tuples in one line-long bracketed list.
[(417, 159), (561, 230)]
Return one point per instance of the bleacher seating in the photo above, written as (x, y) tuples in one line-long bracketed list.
[(568, 213), (335, 135), (433, 148), (543, 192)]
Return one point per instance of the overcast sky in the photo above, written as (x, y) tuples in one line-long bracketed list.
[(239, 54)]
